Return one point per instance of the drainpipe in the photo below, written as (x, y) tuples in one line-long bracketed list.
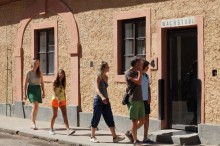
[(7, 69)]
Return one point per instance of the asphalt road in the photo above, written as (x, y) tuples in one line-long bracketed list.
[(17, 140)]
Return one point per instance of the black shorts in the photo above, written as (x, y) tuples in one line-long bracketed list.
[(146, 107)]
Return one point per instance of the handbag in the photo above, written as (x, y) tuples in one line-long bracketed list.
[(125, 99)]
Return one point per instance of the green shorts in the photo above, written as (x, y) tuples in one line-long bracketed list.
[(136, 110), (34, 93)]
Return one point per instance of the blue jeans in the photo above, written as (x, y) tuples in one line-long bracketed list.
[(102, 109)]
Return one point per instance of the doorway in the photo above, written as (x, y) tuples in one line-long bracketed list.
[(183, 84)]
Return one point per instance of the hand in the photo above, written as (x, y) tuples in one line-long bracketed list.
[(25, 97), (43, 95), (105, 101), (148, 101), (141, 65)]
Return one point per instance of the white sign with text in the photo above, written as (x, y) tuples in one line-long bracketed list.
[(178, 22)]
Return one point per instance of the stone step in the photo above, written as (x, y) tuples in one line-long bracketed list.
[(178, 137)]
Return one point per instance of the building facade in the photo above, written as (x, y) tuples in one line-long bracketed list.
[(178, 38)]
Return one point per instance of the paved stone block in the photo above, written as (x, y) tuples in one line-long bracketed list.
[(188, 139), (19, 109), (73, 115), (173, 136), (209, 134)]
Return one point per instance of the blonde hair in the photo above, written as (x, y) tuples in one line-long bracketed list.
[(101, 68)]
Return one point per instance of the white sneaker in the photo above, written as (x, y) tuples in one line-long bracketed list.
[(34, 127), (94, 140), (51, 132), (118, 138), (70, 132)]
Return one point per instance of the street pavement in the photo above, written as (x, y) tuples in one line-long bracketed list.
[(17, 140), (21, 127)]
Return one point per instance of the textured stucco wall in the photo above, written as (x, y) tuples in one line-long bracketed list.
[(9, 23), (63, 56), (94, 21)]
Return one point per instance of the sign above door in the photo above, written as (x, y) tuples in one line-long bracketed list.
[(186, 21)]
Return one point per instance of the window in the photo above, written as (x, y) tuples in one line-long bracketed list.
[(131, 37), (44, 46), (45, 50), (133, 41)]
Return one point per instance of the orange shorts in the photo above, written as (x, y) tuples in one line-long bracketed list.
[(55, 103)]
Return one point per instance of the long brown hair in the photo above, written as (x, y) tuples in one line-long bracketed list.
[(38, 68), (57, 81)]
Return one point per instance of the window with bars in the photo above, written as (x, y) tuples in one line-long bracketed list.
[(45, 51), (133, 41)]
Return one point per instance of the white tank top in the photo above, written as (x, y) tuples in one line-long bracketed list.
[(33, 79)]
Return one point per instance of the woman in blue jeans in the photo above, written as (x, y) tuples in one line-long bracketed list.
[(102, 105)]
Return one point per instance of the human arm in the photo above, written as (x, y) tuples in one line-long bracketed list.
[(55, 92), (137, 80), (64, 97), (25, 87), (42, 85), (65, 94), (149, 94)]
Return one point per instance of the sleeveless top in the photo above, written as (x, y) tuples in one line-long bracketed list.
[(33, 79), (59, 93), (102, 88)]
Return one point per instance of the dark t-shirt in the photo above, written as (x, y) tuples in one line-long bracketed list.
[(136, 95)]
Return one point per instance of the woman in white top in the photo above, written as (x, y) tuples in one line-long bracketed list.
[(33, 86)]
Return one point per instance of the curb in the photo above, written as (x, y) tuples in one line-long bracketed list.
[(24, 134), (12, 132)]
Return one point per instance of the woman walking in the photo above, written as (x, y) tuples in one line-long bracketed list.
[(102, 104), (33, 86), (59, 100)]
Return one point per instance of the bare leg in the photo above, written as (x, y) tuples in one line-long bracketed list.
[(65, 119), (134, 129), (114, 136), (93, 132), (34, 112), (140, 123), (146, 126), (112, 129), (55, 109), (135, 125)]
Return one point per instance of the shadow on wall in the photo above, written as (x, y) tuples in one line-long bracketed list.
[(74, 6), (87, 5)]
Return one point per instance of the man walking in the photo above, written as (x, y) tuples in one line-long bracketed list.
[(133, 77)]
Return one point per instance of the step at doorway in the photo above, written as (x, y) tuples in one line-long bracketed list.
[(173, 136)]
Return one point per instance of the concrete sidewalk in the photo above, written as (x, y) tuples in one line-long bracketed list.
[(81, 137)]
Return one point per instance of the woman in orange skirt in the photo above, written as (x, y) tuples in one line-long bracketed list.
[(59, 100)]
